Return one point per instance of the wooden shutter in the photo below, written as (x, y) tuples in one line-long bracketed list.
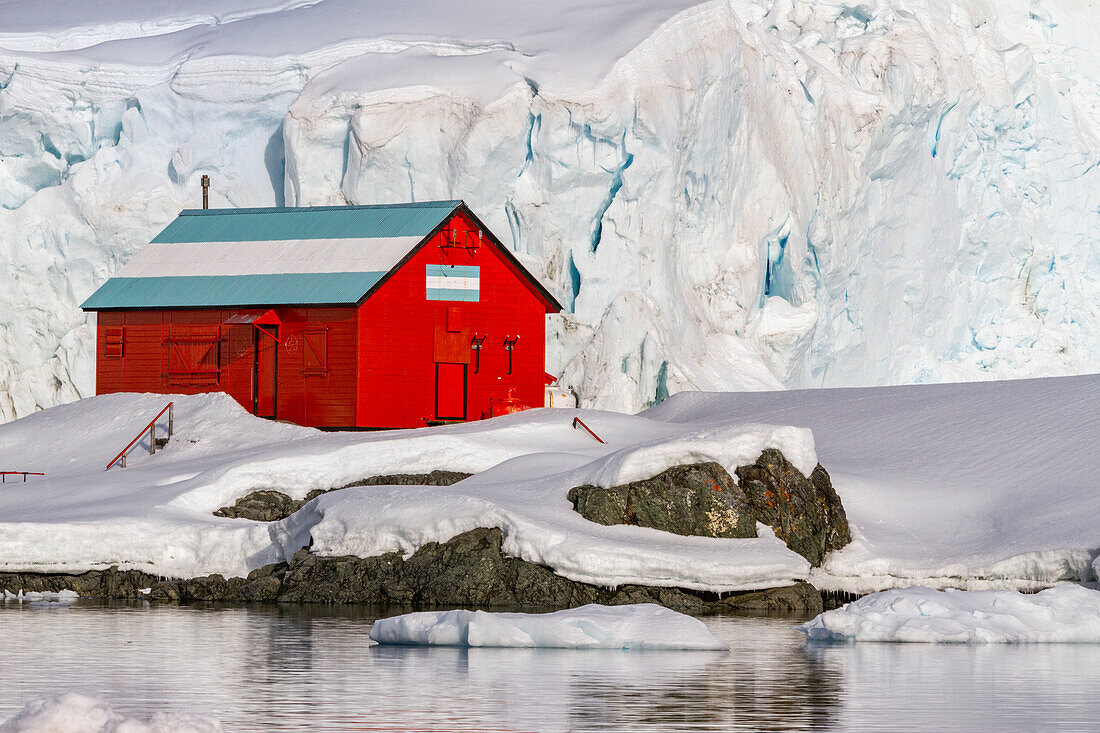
[(315, 356), (114, 338), (454, 319), (194, 356)]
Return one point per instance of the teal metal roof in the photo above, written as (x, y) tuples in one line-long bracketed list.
[(310, 222), (211, 291)]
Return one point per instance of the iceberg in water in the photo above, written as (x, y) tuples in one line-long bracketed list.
[(640, 626), (1065, 613)]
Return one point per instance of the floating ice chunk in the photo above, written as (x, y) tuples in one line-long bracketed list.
[(76, 713), (641, 626), (43, 597), (1065, 613)]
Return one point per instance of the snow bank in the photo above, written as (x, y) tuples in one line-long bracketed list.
[(726, 195), (981, 486), (1065, 613), (76, 713), (157, 514), (639, 626)]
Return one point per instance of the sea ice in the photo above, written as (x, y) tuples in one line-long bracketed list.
[(73, 712), (63, 597), (640, 626), (1065, 613)]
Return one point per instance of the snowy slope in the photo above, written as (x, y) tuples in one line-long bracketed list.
[(983, 485), (157, 514), (727, 195), (994, 482)]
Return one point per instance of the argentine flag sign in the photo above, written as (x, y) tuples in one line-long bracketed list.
[(456, 282)]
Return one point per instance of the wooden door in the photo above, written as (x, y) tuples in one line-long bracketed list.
[(266, 372), (450, 391)]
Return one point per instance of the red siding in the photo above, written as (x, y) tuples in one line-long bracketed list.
[(403, 336), (308, 393), (371, 366)]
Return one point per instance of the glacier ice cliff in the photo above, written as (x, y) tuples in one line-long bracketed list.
[(735, 194)]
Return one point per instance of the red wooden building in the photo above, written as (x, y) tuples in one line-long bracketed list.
[(359, 316)]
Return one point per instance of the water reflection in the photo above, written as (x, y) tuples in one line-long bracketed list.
[(291, 667)]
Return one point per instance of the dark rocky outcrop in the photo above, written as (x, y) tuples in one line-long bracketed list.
[(804, 512), (703, 499), (271, 506), (110, 583), (699, 499), (470, 570)]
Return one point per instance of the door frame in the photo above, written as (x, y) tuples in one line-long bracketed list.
[(274, 369), (465, 391)]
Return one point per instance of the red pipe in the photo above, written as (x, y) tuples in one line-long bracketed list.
[(4, 475), (577, 421)]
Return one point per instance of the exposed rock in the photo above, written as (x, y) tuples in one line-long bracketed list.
[(805, 513), (838, 533), (469, 570), (270, 506), (698, 499), (264, 506), (703, 499), (110, 583)]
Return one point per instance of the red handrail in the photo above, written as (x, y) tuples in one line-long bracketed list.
[(4, 475), (151, 427), (577, 421)]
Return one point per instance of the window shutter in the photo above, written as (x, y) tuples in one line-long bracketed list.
[(114, 339), (454, 319), (315, 358), (194, 356)]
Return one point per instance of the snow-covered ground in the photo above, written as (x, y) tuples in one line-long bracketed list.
[(726, 194), (978, 485), (972, 485), (156, 515), (1066, 613), (640, 626)]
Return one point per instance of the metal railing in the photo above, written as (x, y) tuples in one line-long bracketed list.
[(4, 475), (151, 428), (577, 421)]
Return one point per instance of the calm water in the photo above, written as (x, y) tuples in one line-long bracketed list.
[(292, 668)]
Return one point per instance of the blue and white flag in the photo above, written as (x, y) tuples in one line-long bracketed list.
[(453, 282)]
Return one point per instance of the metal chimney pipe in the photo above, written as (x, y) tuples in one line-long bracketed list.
[(205, 181)]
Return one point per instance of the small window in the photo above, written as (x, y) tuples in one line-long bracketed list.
[(315, 358), (114, 338), (454, 319)]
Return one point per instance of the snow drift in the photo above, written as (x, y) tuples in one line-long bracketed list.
[(157, 514), (1065, 613), (984, 485), (643, 626), (738, 194)]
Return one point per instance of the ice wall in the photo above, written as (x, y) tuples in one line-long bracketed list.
[(725, 195)]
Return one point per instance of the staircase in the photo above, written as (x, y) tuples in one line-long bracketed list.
[(155, 443)]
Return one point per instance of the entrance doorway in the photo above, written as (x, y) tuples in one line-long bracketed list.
[(265, 373), (450, 391)]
